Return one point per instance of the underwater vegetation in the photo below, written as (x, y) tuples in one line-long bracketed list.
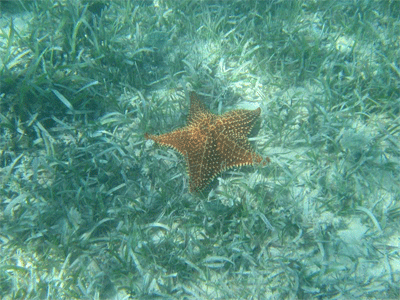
[(91, 209)]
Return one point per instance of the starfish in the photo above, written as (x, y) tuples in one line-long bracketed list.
[(212, 143)]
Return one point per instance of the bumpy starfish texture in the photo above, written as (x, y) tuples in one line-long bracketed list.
[(212, 143)]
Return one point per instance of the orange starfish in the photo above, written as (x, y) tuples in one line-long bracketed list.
[(211, 143)]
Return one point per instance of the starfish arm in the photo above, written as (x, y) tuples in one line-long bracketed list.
[(237, 152), (215, 156), (215, 153), (238, 122), (198, 110), (176, 139), (203, 164)]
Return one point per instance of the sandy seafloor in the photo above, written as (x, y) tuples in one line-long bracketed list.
[(90, 210)]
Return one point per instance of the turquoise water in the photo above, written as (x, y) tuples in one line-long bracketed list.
[(90, 209)]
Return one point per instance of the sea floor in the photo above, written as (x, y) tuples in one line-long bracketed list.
[(90, 209)]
